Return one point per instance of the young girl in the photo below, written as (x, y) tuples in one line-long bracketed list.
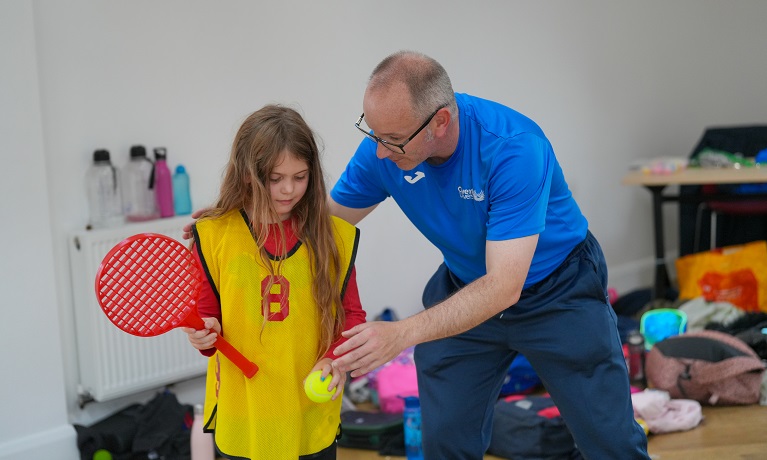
[(280, 288)]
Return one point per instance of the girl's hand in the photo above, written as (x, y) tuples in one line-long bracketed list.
[(338, 380), (187, 229), (204, 338)]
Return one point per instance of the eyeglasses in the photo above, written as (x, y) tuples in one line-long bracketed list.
[(396, 148)]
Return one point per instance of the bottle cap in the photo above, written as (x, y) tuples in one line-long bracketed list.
[(180, 169), (160, 153), (635, 338), (411, 402), (101, 155), (137, 151)]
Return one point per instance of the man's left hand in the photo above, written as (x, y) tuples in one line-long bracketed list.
[(370, 345)]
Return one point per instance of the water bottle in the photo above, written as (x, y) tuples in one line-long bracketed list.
[(182, 202), (104, 199), (412, 423), (137, 187), (635, 342), (201, 443), (163, 183)]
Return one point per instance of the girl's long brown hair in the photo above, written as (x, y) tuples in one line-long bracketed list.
[(257, 148)]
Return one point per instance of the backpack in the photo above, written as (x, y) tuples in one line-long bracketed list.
[(373, 431), (710, 367), (749, 327), (160, 428), (530, 428), (520, 378)]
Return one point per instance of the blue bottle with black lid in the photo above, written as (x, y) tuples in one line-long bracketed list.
[(412, 422)]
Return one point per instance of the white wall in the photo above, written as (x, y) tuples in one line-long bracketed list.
[(33, 394), (609, 82)]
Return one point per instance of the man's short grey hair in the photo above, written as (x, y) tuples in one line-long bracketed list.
[(426, 79)]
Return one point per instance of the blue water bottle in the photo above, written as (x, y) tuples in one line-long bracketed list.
[(412, 422), (182, 202)]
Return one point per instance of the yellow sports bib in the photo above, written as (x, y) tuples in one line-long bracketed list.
[(268, 416)]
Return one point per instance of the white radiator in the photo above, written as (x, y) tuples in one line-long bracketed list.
[(114, 363)]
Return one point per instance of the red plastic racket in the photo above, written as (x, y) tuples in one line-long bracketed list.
[(149, 284)]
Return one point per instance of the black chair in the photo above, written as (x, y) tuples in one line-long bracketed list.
[(716, 208), (734, 222)]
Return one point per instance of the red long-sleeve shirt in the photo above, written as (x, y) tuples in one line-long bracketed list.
[(208, 305)]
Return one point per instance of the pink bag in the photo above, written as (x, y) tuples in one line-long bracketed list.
[(393, 382), (707, 366)]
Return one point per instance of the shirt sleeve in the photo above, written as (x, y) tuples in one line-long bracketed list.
[(519, 187), (360, 185), (353, 308), (208, 305)]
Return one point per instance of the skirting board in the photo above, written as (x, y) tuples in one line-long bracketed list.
[(58, 443)]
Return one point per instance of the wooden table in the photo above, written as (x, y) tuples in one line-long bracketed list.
[(656, 183)]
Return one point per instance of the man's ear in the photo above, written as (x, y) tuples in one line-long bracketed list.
[(442, 121)]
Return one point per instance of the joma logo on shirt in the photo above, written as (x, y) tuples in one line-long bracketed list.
[(470, 194), (418, 176)]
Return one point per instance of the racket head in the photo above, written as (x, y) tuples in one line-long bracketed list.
[(148, 284)]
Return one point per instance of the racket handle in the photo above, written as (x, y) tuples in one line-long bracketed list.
[(246, 366)]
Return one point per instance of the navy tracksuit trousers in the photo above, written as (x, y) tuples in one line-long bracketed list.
[(565, 326)]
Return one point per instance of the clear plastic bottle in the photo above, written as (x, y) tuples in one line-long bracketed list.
[(201, 443), (182, 201), (102, 187), (139, 202), (412, 422), (163, 183)]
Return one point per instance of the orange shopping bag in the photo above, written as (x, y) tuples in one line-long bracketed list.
[(734, 274)]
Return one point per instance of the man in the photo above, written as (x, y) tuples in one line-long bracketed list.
[(521, 271)]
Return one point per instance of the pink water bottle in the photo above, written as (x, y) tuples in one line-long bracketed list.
[(163, 183), (636, 351)]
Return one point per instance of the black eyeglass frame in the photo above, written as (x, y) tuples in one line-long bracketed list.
[(390, 145)]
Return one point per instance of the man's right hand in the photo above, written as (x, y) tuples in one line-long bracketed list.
[(187, 229)]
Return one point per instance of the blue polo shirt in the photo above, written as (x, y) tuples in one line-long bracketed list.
[(502, 182)]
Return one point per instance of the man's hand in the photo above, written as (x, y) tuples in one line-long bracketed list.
[(187, 235), (370, 345)]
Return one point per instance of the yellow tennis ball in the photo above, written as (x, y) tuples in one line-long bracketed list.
[(102, 454), (643, 424), (316, 389)]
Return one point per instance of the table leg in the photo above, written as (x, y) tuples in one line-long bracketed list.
[(662, 282)]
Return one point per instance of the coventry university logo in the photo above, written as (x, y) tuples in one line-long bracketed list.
[(470, 194)]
